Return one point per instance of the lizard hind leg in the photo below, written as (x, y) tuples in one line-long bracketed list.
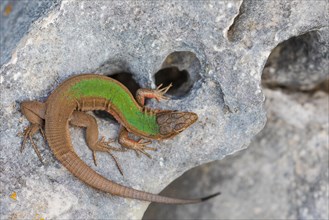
[(35, 113), (82, 119)]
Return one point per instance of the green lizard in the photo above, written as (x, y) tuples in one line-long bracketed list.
[(68, 104)]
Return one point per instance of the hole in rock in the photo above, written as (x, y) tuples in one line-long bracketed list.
[(303, 55), (176, 77), (299, 63), (127, 80), (182, 69)]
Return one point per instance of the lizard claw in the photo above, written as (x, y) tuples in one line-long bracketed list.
[(113, 157), (159, 93), (28, 133), (140, 147), (104, 146)]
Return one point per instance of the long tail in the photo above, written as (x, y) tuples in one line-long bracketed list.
[(58, 138), (81, 170)]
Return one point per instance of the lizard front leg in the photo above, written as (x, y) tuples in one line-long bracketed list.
[(35, 113), (137, 146), (157, 94), (82, 119), (141, 95)]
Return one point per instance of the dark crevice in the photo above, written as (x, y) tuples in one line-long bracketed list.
[(127, 80), (322, 86), (182, 69), (299, 64), (231, 30), (174, 76)]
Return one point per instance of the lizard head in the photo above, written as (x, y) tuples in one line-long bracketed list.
[(172, 123)]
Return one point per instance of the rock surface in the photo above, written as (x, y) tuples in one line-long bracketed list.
[(16, 18), (282, 175), (231, 42), (300, 62)]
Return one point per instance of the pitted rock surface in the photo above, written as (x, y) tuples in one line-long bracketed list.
[(231, 40)]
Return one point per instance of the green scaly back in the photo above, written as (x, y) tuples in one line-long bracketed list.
[(120, 98)]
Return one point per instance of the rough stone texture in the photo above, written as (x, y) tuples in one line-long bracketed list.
[(282, 175), (231, 39), (16, 18), (300, 62)]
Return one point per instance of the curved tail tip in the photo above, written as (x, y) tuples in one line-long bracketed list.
[(209, 197)]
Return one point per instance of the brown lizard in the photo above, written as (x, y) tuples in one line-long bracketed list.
[(68, 104)]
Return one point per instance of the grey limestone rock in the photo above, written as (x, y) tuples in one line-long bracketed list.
[(282, 175), (231, 41), (300, 62), (16, 18)]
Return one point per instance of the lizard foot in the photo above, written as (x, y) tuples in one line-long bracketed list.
[(159, 93), (140, 147), (104, 146), (28, 133)]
